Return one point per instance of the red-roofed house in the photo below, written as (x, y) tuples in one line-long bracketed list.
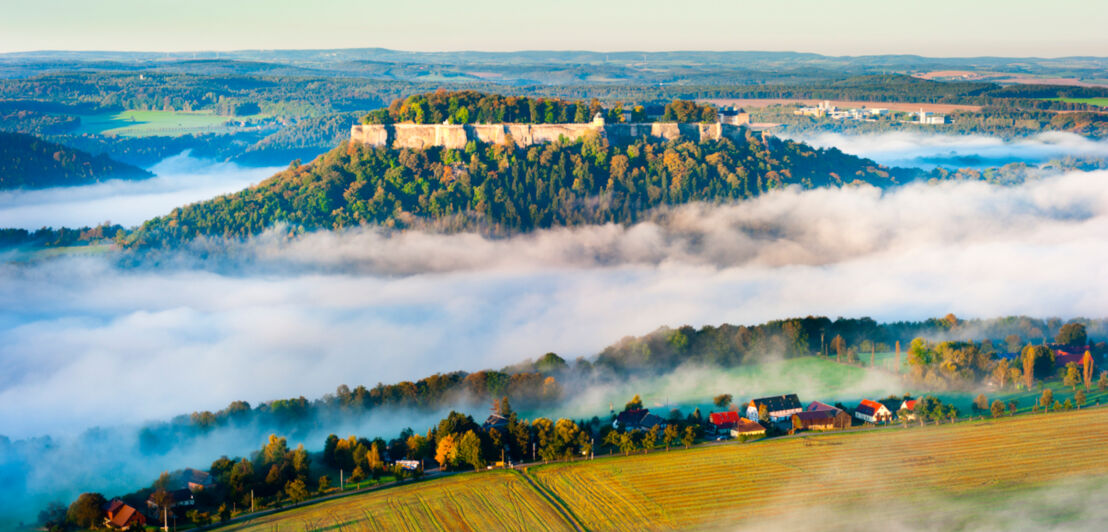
[(123, 516), (872, 412), (724, 421)]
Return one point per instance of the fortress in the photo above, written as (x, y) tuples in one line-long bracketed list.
[(457, 135)]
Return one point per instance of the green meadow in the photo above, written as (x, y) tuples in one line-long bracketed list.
[(155, 123)]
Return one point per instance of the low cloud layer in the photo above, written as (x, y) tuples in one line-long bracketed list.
[(304, 315), (86, 341), (179, 180), (914, 149)]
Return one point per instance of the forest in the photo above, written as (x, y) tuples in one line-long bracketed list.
[(30, 162), (502, 189)]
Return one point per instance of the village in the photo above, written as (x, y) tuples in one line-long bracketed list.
[(181, 496), (826, 109)]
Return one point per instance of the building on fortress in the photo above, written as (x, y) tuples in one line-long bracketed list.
[(457, 135)]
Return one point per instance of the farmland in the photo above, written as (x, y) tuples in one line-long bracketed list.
[(742, 484), (148, 123), (942, 475), (498, 500)]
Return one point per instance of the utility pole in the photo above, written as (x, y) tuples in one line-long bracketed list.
[(533, 444), (251, 501), (165, 517), (340, 479)]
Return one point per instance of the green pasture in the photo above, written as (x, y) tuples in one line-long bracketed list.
[(1099, 102), (155, 123)]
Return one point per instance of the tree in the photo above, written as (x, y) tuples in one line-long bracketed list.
[(1087, 369), (997, 408), (1073, 335), (627, 443), (689, 438), (357, 475), (1079, 398), (763, 412), (1012, 342), (297, 491), (446, 452), (87, 511), (53, 517), (838, 345), (1047, 399), (650, 439), (722, 400), (1102, 382), (634, 404), (952, 412), (1001, 372), (981, 403), (1072, 376), (469, 450), (324, 483), (670, 436), (1012, 406), (224, 513)]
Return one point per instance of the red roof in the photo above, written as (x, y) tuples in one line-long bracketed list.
[(724, 418), (910, 404), (124, 516), (744, 425)]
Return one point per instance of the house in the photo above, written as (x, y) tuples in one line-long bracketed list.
[(1064, 354), (724, 421), (872, 412), (734, 116), (196, 480), (908, 405), (181, 498), (745, 427), (821, 419), (123, 516), (495, 421), (777, 407), (816, 406), (640, 419)]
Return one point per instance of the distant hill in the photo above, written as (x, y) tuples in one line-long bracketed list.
[(501, 189), (30, 162)]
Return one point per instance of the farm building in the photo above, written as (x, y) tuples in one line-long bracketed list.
[(778, 407), (1065, 354), (821, 419), (640, 419), (908, 405), (816, 406), (181, 498), (748, 428), (872, 412), (724, 421), (123, 516)]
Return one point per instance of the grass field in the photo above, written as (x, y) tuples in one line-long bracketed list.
[(497, 500), (980, 475), (745, 485), (1100, 102), (150, 123)]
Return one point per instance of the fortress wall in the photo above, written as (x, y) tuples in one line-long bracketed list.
[(665, 130), (372, 134), (456, 136), (551, 132)]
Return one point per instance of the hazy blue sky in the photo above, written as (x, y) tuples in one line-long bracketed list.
[(845, 27)]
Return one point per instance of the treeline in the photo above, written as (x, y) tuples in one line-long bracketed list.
[(64, 236), (30, 162), (472, 107), (504, 189)]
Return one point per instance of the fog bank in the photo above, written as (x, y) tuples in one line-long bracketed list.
[(915, 149), (300, 316), (178, 180)]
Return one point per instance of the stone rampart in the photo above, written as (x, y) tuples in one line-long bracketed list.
[(457, 135)]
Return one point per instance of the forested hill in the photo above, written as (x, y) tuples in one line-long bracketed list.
[(497, 189), (30, 162)]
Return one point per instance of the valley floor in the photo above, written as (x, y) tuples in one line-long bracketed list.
[(964, 475)]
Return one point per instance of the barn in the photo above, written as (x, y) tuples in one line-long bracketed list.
[(821, 420)]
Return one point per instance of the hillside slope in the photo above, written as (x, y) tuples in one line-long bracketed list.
[(30, 162), (501, 189)]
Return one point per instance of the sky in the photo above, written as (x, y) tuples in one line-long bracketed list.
[(945, 28)]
